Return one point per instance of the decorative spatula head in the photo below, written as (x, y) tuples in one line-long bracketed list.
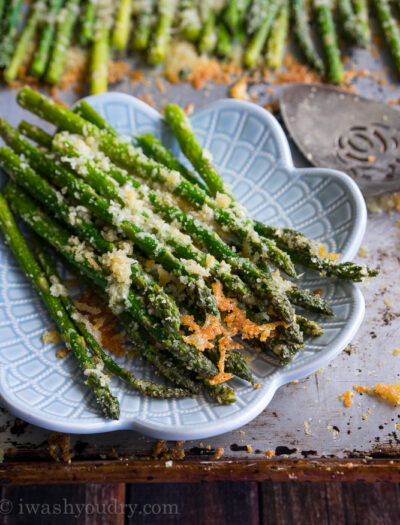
[(337, 129)]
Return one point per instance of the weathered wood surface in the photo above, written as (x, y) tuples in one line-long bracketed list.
[(333, 430), (219, 503)]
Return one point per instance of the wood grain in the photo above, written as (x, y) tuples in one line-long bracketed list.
[(219, 503), (194, 470), (89, 504), (329, 503)]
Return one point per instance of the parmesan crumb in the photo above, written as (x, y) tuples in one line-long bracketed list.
[(347, 398), (51, 336), (239, 90), (219, 453), (363, 251)]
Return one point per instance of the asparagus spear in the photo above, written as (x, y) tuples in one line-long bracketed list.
[(361, 13), (120, 33), (155, 149), (88, 22), (159, 43), (96, 381), (13, 14), (62, 41), (85, 110), (305, 252), (143, 12), (327, 30), (83, 325), (309, 327), (24, 41), (352, 27), (99, 60), (41, 56), (189, 20), (208, 37), (60, 239), (277, 38), (3, 4), (302, 33), (235, 13), (255, 15), (257, 41), (32, 132), (389, 28), (224, 42)]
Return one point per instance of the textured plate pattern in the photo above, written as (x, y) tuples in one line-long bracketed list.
[(252, 153)]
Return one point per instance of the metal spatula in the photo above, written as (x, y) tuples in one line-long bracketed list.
[(337, 129)]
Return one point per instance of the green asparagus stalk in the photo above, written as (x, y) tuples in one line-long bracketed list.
[(353, 28), (62, 41), (302, 33), (95, 380), (259, 38), (164, 364), (162, 33), (88, 22), (155, 149), (143, 12), (308, 327), (120, 33), (85, 328), (33, 132), (24, 41), (189, 20), (42, 53), (208, 37), (235, 364), (255, 15), (224, 47), (361, 13), (305, 252), (389, 28), (3, 4), (85, 110), (277, 38), (60, 240), (309, 301), (9, 30), (235, 13), (334, 69), (99, 60)]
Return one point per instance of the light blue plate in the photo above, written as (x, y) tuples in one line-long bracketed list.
[(252, 153)]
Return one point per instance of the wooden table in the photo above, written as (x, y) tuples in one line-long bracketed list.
[(312, 435)]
